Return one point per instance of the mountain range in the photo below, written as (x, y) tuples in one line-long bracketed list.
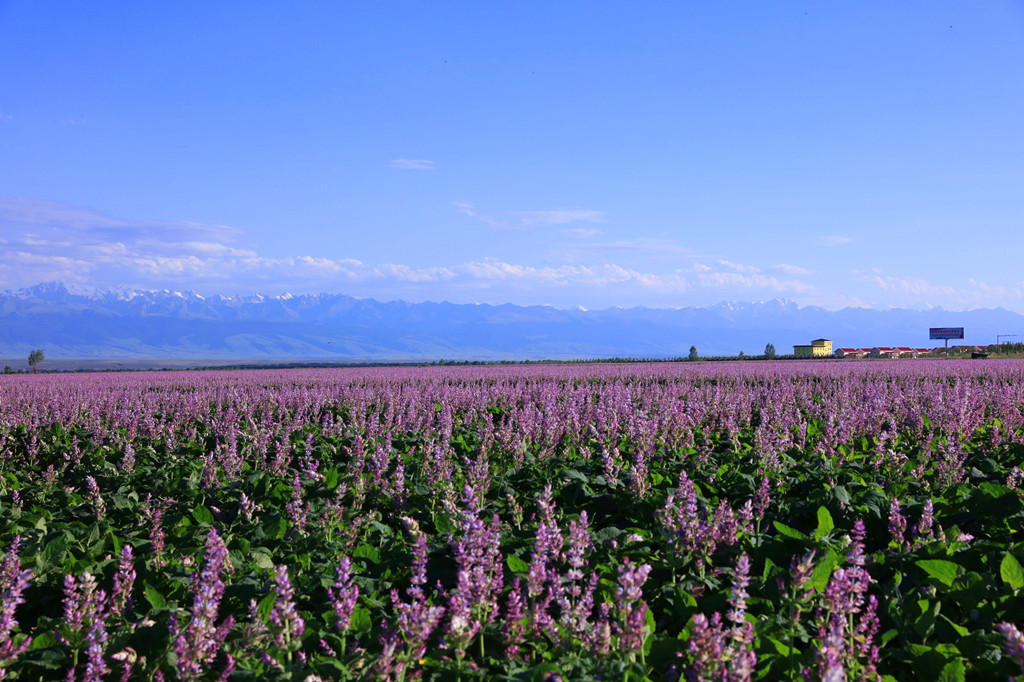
[(336, 327)]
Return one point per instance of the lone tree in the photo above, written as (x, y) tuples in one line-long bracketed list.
[(769, 351), (693, 354), (35, 357)]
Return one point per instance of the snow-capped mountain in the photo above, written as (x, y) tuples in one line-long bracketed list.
[(132, 324)]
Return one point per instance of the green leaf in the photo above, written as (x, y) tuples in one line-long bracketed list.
[(262, 560), (155, 599), (823, 571), (960, 629), (841, 493), (779, 646), (546, 671), (1011, 571), (53, 553), (924, 624), (331, 478), (361, 620), (367, 551), (953, 672), (825, 523), (940, 569), (275, 528), (788, 531), (516, 565), (572, 473), (266, 605), (202, 515)]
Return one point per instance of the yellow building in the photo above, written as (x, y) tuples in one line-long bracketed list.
[(819, 348)]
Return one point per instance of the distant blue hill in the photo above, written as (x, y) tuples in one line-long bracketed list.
[(152, 324)]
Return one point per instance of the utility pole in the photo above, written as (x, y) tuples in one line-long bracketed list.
[(1002, 336)]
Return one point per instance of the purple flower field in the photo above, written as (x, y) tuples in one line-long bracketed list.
[(676, 521)]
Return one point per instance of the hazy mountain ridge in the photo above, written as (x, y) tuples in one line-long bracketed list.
[(335, 326)]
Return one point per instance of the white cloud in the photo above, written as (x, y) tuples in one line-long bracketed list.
[(466, 208), (55, 223), (46, 241), (412, 164), (912, 286), (652, 246), (746, 281), (526, 220), (792, 269), (558, 217), (738, 267), (915, 291), (582, 232), (834, 240)]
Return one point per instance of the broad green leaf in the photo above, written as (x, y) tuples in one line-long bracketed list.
[(788, 531), (367, 551), (275, 528), (262, 560), (53, 553), (1011, 571), (266, 605), (155, 599), (960, 629), (331, 478), (516, 565), (42, 641), (953, 672), (924, 625), (823, 571), (779, 646), (546, 671), (361, 620), (573, 473), (940, 569), (202, 515), (825, 523), (887, 635)]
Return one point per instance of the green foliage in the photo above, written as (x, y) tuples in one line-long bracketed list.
[(35, 358)]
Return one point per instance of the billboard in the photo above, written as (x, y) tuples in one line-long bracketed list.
[(946, 333)]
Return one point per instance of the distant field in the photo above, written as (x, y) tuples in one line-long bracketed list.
[(101, 364)]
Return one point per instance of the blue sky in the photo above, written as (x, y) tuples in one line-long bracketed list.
[(572, 153)]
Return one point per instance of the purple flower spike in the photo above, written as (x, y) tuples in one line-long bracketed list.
[(290, 625), (198, 643), (344, 594), (1014, 643), (13, 582), (124, 579), (924, 526), (720, 652), (897, 524), (631, 606)]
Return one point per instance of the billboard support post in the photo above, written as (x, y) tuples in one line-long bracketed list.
[(946, 333)]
